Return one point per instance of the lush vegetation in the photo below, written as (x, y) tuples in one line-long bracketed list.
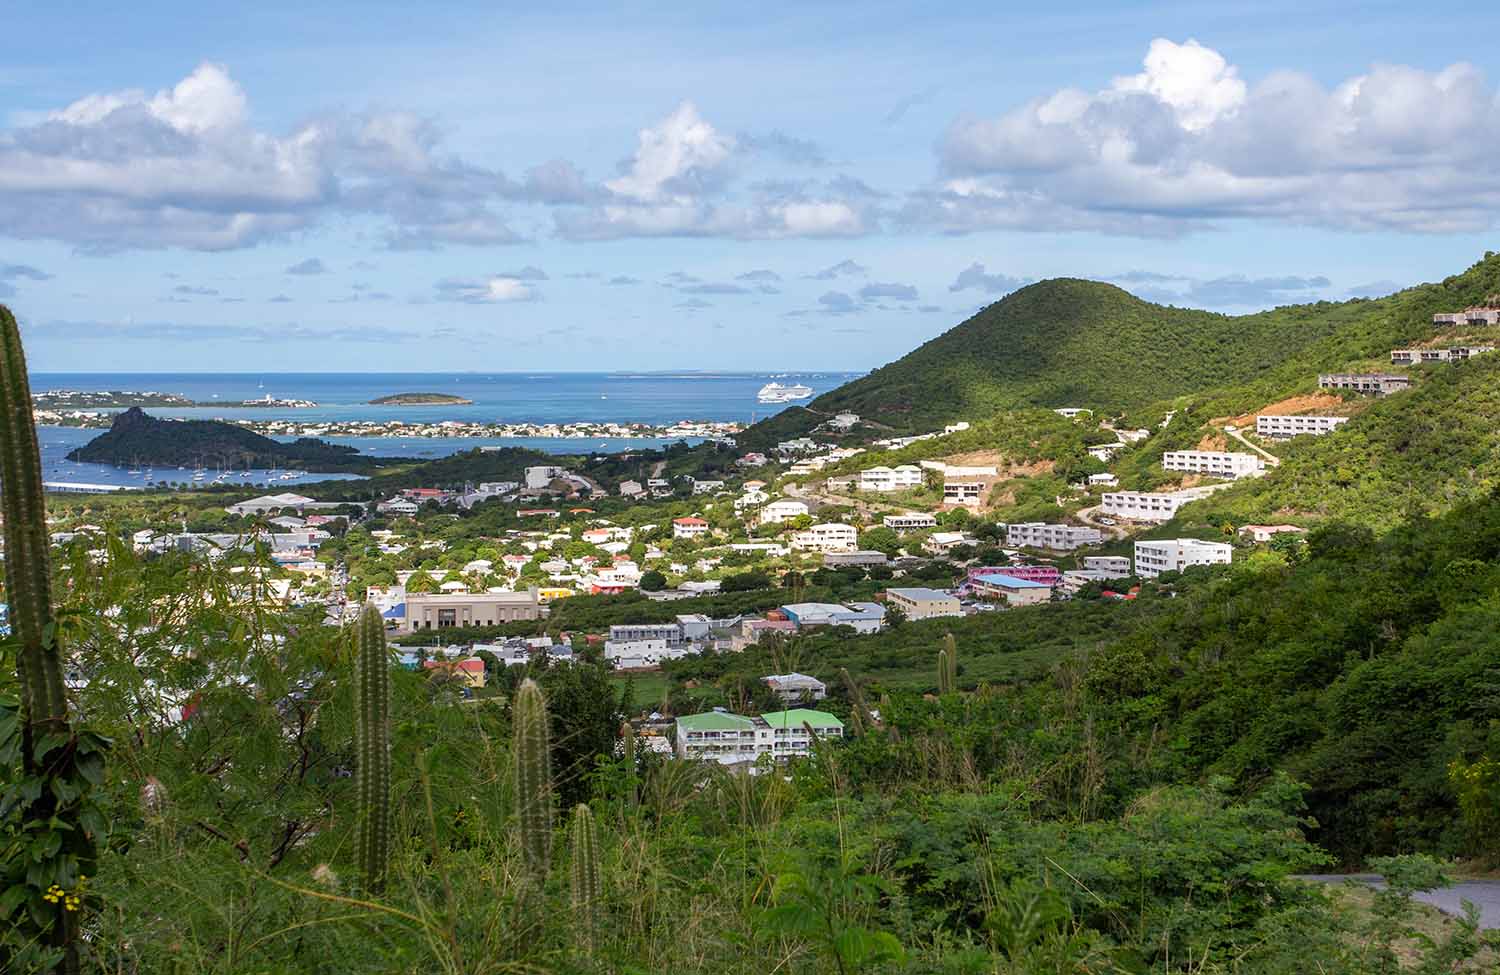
[(137, 438)]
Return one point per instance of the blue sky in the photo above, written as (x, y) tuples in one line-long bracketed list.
[(382, 186)]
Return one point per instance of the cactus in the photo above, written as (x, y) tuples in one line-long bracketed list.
[(533, 778), (632, 796), (951, 646), (944, 676), (44, 709), (585, 875), (372, 746), (859, 716)]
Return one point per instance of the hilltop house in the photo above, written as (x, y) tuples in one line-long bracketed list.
[(863, 617), (941, 543), (1264, 533), (969, 494)]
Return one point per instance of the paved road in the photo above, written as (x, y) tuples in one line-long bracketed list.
[(1485, 894), (1087, 516)]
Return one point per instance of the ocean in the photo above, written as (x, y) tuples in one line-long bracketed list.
[(499, 397)]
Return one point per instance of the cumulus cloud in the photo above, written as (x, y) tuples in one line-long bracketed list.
[(876, 290), (974, 276), (528, 273), (1187, 143), (310, 266), (846, 268), (495, 289), (837, 303), (185, 167), (799, 152), (72, 331), (1229, 291)]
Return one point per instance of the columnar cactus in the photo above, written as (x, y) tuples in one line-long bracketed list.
[(951, 645), (533, 778), (39, 667), (585, 875), (944, 675), (372, 745)]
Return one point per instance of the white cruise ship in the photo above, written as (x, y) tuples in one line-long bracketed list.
[(777, 393)]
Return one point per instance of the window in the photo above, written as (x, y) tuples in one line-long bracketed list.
[(447, 618)]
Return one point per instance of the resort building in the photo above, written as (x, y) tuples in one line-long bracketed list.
[(1369, 384), (781, 511), (909, 522), (795, 687), (831, 537), (1478, 316), (923, 604), (718, 736), (1175, 554), (1014, 592), (1059, 538), (441, 611), (1286, 427), (966, 493), (1140, 506), (689, 527), (1214, 463)]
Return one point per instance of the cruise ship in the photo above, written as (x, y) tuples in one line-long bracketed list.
[(777, 393)]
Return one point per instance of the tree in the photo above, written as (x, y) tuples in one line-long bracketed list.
[(585, 713), (747, 581), (880, 539), (653, 581)]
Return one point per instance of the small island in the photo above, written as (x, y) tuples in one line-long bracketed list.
[(421, 399)]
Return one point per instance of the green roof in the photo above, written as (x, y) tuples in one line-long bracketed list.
[(714, 721), (797, 717)]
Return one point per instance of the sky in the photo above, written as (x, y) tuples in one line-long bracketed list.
[(452, 186)]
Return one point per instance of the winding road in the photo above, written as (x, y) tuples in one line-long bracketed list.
[(1483, 894)]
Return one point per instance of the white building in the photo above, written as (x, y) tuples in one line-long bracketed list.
[(844, 421), (1108, 563), (730, 739), (1174, 554), (540, 477), (1140, 506), (1264, 533), (707, 487), (831, 537), (909, 522), (1059, 538), (689, 527), (889, 478), (1214, 463), (966, 493), (941, 543), (781, 511), (1286, 427), (793, 687), (1104, 451)]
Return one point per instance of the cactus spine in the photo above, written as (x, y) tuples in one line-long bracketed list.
[(372, 745), (585, 875), (533, 779), (44, 709), (951, 646)]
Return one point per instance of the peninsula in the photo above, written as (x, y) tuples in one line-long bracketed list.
[(421, 399)]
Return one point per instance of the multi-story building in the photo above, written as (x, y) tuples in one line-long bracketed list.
[(909, 522), (1370, 384), (1175, 554), (1456, 353), (689, 527), (966, 493), (1059, 538), (1478, 316), (778, 512), (669, 633), (830, 537), (731, 739), (1214, 463), (888, 478), (1288, 426), (923, 604), (441, 611), (1108, 563), (1045, 574), (1140, 506)]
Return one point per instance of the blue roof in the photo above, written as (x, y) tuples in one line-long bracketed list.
[(1009, 582), (396, 612)]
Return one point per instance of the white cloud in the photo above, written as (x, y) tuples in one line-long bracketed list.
[(495, 289), (1187, 143), (675, 159)]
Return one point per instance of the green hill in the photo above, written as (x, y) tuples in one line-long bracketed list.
[(1070, 342), (138, 438)]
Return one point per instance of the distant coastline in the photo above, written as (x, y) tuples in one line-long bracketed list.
[(421, 399)]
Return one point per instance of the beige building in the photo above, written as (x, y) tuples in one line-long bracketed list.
[(1371, 384), (923, 604), (441, 611)]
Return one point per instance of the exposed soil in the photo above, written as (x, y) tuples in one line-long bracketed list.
[(1309, 404)]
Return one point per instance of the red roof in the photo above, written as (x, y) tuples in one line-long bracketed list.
[(688, 521), (472, 664)]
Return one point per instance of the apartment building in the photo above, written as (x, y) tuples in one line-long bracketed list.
[(1284, 427), (966, 493), (910, 522), (923, 604), (1214, 463), (689, 527), (778, 512), (1013, 591), (889, 478), (1059, 538), (669, 633), (1369, 384), (1477, 316), (831, 537), (1108, 563), (1175, 554), (1141, 506), (441, 611), (1457, 353)]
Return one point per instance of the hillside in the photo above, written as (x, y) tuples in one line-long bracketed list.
[(1071, 342), (135, 437)]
